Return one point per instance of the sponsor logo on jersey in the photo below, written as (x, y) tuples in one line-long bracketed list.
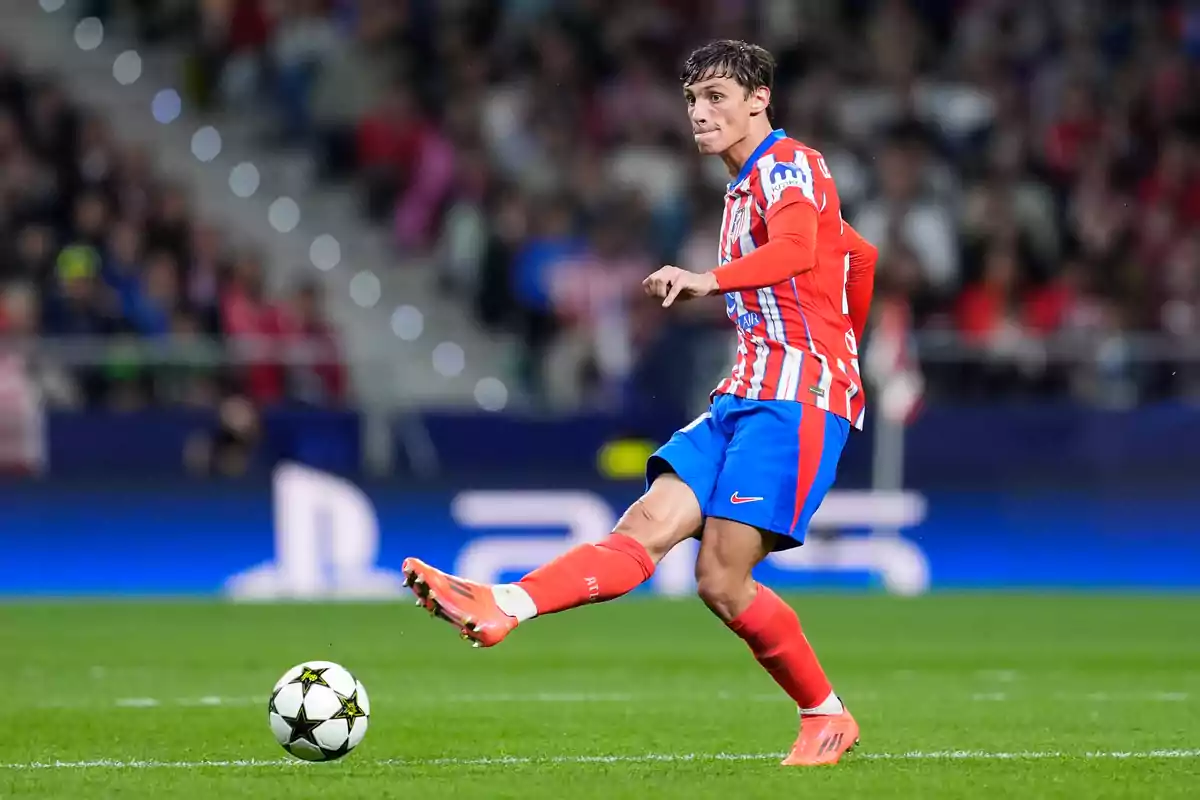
[(749, 320), (789, 175)]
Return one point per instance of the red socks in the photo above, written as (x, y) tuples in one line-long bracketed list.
[(592, 573), (589, 573), (772, 630)]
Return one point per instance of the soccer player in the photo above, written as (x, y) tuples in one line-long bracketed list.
[(746, 476)]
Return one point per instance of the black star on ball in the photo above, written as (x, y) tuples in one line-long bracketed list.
[(302, 728), (350, 709), (310, 677)]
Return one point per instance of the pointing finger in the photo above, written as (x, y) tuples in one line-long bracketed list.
[(673, 291)]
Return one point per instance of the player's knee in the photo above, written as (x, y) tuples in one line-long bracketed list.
[(726, 591), (661, 518), (649, 525), (725, 565)]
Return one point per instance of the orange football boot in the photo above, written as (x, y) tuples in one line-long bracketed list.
[(823, 739), (467, 605)]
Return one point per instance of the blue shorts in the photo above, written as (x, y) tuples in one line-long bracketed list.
[(765, 463)]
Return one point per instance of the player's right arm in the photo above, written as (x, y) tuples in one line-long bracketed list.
[(789, 207), (860, 279), (790, 251)]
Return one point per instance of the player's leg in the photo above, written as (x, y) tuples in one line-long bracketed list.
[(781, 462), (665, 515), (669, 512), (729, 551), (661, 518)]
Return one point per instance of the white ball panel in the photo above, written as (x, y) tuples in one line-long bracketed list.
[(321, 703), (290, 675), (340, 680), (280, 728), (358, 732), (363, 701), (288, 701), (306, 750), (332, 733)]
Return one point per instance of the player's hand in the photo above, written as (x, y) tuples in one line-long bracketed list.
[(672, 283)]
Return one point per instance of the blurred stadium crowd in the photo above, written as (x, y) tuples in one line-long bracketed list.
[(98, 250), (1029, 170)]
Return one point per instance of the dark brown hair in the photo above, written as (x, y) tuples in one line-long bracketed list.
[(749, 65)]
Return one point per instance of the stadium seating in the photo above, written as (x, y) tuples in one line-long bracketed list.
[(135, 300), (1031, 180)]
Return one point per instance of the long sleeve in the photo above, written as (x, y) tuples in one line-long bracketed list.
[(791, 250), (860, 280)]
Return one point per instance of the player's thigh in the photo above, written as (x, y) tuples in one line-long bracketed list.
[(782, 460), (729, 551), (679, 481), (667, 514)]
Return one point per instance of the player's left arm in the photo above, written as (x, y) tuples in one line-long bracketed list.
[(860, 279)]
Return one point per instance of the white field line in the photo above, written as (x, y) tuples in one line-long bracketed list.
[(607, 697), (535, 697), (497, 697), (647, 758)]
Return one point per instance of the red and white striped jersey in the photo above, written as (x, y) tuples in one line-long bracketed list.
[(795, 339)]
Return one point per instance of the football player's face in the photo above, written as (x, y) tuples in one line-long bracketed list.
[(717, 108), (720, 112)]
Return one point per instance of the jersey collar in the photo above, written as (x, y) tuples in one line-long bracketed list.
[(773, 137)]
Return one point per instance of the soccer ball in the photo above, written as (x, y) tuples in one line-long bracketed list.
[(319, 711)]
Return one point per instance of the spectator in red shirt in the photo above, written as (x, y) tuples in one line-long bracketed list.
[(253, 330), (390, 141), (1077, 129), (988, 308), (319, 378), (1175, 181)]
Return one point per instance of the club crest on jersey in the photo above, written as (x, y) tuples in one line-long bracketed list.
[(741, 222), (788, 175)]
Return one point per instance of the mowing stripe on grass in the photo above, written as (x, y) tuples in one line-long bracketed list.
[(567, 697), (647, 758)]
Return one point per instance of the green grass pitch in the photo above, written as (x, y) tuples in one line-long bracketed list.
[(958, 696)]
